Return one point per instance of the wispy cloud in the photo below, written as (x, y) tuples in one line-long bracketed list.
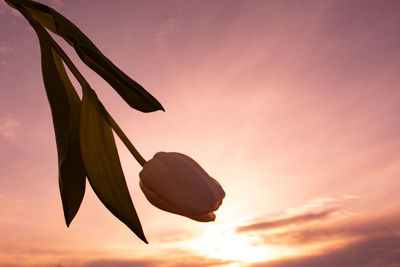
[(8, 126), (370, 252), (365, 242), (314, 210), (5, 49), (375, 227), (188, 261), (121, 263), (282, 222), (165, 29)]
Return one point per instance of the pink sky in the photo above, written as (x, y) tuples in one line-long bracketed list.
[(292, 105)]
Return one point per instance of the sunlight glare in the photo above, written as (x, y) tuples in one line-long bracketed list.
[(222, 242)]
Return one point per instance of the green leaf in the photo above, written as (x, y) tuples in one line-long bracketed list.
[(100, 156), (132, 92), (65, 109)]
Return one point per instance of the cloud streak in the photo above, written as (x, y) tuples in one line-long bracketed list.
[(121, 263), (187, 261), (298, 219), (366, 228), (367, 242), (370, 252)]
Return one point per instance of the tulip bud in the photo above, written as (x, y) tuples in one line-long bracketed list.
[(176, 183)]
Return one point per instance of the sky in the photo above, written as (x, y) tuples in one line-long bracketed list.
[(291, 105)]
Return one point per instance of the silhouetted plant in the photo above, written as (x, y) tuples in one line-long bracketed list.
[(84, 138)]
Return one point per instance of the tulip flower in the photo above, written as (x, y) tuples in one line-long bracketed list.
[(176, 183)]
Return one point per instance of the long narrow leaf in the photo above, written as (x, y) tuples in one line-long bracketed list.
[(102, 163), (132, 92), (65, 108), (72, 171)]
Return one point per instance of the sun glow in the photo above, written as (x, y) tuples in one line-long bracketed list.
[(223, 243)]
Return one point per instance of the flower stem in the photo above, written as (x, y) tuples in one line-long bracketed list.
[(109, 118), (74, 70), (82, 81), (125, 139)]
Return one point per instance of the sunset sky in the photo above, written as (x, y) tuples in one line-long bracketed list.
[(293, 106)]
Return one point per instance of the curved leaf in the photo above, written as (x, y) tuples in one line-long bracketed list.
[(72, 171), (102, 163), (65, 109), (132, 92)]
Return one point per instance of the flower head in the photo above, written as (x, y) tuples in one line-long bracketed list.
[(176, 183)]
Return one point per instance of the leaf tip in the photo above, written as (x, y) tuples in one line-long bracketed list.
[(156, 106), (138, 231), (67, 217), (144, 240), (68, 221)]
